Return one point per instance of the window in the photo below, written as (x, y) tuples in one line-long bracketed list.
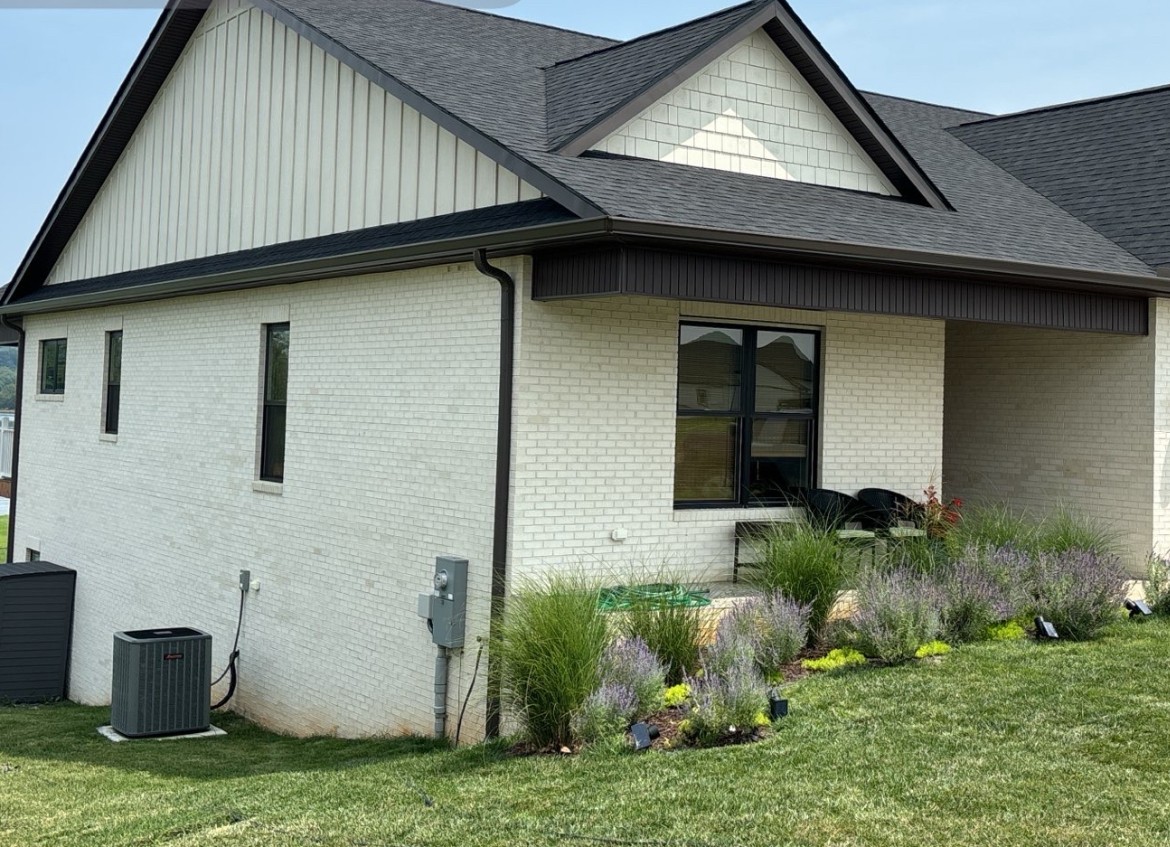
[(747, 415), (53, 366), (113, 381), (32, 555), (275, 397)]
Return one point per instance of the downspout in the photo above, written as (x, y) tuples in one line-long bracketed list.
[(19, 415), (503, 472)]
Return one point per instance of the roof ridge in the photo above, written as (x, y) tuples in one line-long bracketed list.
[(510, 19), (926, 103), (1072, 104), (657, 32)]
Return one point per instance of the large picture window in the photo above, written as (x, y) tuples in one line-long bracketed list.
[(747, 415), (275, 399)]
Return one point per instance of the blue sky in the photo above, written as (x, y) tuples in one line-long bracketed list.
[(60, 67)]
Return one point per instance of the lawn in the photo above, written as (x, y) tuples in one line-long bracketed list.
[(996, 744)]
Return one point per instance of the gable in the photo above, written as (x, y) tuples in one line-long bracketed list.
[(750, 111), (260, 137)]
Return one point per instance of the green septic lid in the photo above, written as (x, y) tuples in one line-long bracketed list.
[(659, 595)]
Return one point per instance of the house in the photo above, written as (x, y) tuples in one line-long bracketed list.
[(390, 279)]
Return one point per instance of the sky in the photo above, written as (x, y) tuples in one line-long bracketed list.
[(60, 67)]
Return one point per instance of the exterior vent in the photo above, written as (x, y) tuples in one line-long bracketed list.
[(162, 682), (36, 627)]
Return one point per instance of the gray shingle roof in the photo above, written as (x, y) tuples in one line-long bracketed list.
[(1106, 161), (489, 71), (585, 89)]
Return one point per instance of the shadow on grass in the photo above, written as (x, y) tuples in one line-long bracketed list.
[(66, 732)]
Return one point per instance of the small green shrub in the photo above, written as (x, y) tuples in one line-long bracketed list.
[(1079, 591), (673, 634), (628, 663), (806, 564), (896, 613), (606, 712), (676, 695), (727, 704), (932, 648), (1007, 631), (548, 648), (1158, 584), (838, 659)]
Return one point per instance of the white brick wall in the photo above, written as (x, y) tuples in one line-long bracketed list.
[(1160, 332), (595, 420), (1040, 417), (390, 458), (750, 111)]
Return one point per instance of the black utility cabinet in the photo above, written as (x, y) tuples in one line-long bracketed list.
[(36, 629)]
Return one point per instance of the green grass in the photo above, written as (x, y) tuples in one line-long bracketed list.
[(996, 744)]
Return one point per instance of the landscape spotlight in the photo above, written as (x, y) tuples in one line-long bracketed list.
[(1045, 629), (777, 706), (644, 735), (1138, 608)]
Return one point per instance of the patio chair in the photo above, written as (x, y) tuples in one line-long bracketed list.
[(894, 511), (830, 509)]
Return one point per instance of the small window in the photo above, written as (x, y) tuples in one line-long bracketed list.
[(32, 555), (275, 398), (113, 381), (53, 366), (747, 415)]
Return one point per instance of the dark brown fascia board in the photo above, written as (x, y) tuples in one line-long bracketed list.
[(774, 13), (887, 258), (586, 234), (576, 203), (177, 17), (418, 255)]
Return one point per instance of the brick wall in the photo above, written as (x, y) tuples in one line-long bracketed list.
[(595, 419), (750, 111), (1038, 418), (390, 458)]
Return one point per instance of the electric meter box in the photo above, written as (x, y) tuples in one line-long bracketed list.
[(448, 602)]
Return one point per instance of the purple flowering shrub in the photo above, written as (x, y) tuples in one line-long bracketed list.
[(896, 613), (606, 712), (770, 630), (629, 662), (979, 589), (1079, 591), (733, 702)]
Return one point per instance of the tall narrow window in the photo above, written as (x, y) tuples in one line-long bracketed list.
[(113, 381), (747, 410), (53, 366), (275, 399)]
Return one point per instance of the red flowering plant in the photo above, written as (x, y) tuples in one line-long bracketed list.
[(938, 517)]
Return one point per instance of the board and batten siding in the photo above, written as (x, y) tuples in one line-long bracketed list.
[(260, 137)]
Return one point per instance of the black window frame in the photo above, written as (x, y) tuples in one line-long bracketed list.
[(744, 498), (268, 414), (112, 398), (60, 347)]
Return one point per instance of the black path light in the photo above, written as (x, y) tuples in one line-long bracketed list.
[(644, 735), (1045, 630), (1138, 608), (777, 705)]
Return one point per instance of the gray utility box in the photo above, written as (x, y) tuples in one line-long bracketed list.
[(162, 682), (445, 608), (36, 628)]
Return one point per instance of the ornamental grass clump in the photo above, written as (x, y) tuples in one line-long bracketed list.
[(672, 633), (896, 613), (807, 564), (551, 640), (1158, 584), (727, 705), (628, 663), (1079, 591)]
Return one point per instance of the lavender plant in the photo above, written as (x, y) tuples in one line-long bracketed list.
[(629, 663), (770, 631), (1079, 591), (897, 612), (979, 590), (605, 713), (727, 704)]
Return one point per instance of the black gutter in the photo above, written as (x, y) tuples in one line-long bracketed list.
[(503, 473), (19, 330)]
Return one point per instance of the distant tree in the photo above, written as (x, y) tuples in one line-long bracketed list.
[(7, 388)]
